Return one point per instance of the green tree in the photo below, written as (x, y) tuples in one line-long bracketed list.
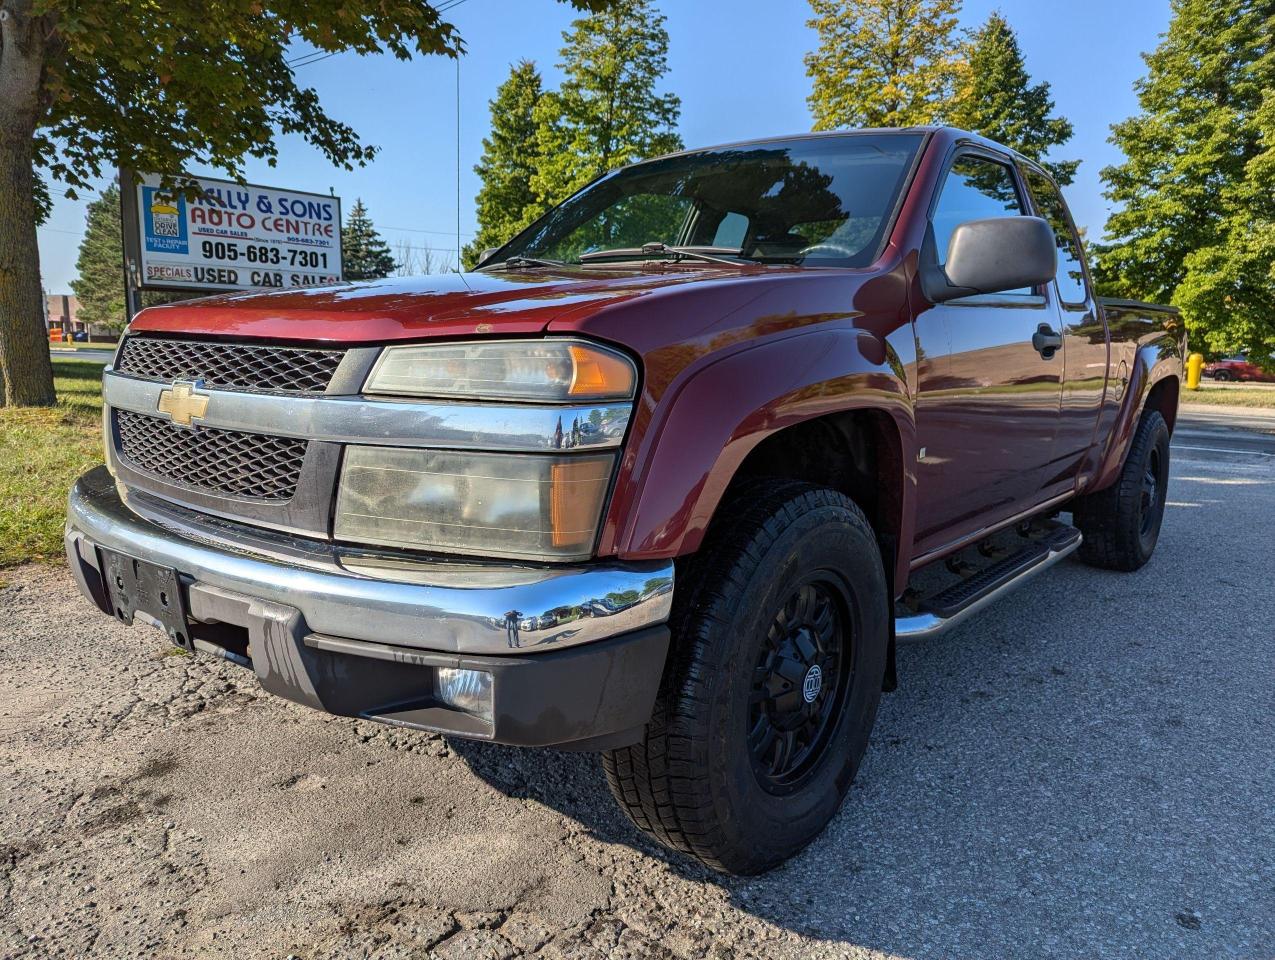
[(99, 285), (364, 255), (607, 112), (884, 63), (509, 159), (1194, 223), (87, 86), (1000, 101)]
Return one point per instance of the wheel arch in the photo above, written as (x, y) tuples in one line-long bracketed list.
[(765, 410), (1154, 384), (1163, 396), (857, 452)]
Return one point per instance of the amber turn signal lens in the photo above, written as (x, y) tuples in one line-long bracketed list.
[(576, 491), (599, 373)]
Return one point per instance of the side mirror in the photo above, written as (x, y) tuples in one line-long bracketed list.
[(485, 256), (989, 256)]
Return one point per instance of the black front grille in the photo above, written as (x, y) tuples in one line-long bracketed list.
[(235, 366), (226, 461)]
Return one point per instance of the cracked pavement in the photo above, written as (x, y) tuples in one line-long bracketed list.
[(1085, 770)]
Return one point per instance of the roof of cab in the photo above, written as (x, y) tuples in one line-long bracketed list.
[(952, 134)]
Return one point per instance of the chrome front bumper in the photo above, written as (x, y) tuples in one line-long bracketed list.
[(469, 609)]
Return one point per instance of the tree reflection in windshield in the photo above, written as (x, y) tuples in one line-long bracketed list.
[(818, 201)]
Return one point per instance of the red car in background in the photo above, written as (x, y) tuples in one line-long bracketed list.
[(1238, 368)]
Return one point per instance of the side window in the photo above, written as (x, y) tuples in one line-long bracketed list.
[(975, 189), (1071, 275)]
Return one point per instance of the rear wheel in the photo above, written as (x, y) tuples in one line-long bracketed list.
[(772, 684), (1222, 376), (1121, 524)]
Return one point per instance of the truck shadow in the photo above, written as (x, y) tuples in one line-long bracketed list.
[(1048, 780)]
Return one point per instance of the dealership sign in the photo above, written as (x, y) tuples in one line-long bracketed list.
[(230, 237)]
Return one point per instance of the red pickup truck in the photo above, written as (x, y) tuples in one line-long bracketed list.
[(667, 477)]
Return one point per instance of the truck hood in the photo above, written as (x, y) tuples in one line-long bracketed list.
[(416, 308)]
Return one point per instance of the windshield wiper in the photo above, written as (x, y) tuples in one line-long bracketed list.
[(514, 262), (657, 249)]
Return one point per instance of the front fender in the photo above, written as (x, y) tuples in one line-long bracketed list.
[(702, 431)]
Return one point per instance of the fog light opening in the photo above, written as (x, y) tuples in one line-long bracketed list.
[(466, 690)]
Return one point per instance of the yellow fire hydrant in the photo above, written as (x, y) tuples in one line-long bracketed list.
[(1194, 365)]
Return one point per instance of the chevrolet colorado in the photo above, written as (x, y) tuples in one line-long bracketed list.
[(667, 477)]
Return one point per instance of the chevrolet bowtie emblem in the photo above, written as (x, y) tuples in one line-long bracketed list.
[(182, 403)]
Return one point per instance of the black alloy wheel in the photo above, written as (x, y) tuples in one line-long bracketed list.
[(799, 683), (1151, 500)]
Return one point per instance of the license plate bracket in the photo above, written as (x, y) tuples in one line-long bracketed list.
[(141, 587)]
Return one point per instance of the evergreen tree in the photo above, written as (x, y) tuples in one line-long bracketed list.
[(1195, 221), (1000, 101), (607, 112), (364, 255), (509, 159), (884, 63), (99, 285)]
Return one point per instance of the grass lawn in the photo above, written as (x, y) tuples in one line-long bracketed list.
[(42, 451), (1255, 396)]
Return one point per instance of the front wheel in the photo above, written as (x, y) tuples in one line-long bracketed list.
[(1121, 523), (772, 686)]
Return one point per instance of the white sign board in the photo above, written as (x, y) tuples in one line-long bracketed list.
[(235, 237)]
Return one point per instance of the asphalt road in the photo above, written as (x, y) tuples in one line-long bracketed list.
[(1085, 771), (97, 356), (1225, 434)]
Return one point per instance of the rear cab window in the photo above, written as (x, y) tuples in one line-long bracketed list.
[(1072, 290)]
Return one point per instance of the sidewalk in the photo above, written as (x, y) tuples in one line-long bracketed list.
[(1226, 417)]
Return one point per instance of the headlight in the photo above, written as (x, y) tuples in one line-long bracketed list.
[(545, 370), (483, 504)]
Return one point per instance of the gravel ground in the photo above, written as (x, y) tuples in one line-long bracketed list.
[(1086, 771)]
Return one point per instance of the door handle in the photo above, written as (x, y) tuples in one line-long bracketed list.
[(1045, 341)]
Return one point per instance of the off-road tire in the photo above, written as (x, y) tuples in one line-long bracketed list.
[(1119, 534), (692, 782)]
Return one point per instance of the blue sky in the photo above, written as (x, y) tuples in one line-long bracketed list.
[(737, 65)]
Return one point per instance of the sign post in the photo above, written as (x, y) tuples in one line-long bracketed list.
[(231, 236), (129, 228)]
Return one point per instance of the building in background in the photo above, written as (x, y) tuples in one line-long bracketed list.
[(61, 319)]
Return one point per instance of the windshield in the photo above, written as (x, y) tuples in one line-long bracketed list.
[(822, 201)]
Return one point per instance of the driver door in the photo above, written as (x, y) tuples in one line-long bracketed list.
[(988, 409)]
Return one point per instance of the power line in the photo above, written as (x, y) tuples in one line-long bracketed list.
[(307, 59), (441, 233), (423, 246), (316, 56)]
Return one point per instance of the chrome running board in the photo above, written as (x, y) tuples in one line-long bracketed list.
[(956, 604)]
